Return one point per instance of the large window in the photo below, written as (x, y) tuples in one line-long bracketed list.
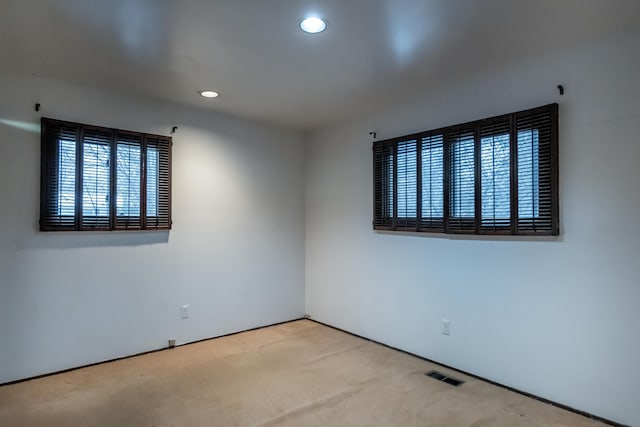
[(492, 176), (96, 178)]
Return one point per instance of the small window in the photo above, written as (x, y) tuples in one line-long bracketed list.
[(492, 176), (96, 178)]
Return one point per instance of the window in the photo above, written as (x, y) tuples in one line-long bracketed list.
[(97, 178), (492, 176)]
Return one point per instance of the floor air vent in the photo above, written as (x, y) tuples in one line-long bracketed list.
[(440, 377)]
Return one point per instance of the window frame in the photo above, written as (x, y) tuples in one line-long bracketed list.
[(53, 132), (541, 121)]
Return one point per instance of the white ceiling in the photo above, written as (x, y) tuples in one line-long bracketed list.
[(252, 51)]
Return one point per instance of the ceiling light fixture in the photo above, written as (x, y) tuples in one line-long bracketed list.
[(313, 25), (209, 93)]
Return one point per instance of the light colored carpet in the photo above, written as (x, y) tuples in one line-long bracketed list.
[(295, 374)]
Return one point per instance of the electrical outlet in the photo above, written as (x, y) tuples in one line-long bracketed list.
[(172, 342), (184, 311), (446, 327)]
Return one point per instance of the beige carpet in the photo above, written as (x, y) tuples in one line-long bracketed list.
[(295, 374)]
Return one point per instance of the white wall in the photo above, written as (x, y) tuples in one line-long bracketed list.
[(558, 317), (235, 254)]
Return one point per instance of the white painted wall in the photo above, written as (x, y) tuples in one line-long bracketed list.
[(235, 254), (558, 317)]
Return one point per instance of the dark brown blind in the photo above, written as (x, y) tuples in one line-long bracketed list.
[(491, 176), (129, 181), (383, 183), (462, 180), (158, 184), (406, 184), (495, 176), (537, 134), (58, 176), (432, 183), (96, 178)]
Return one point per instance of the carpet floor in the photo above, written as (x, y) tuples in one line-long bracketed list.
[(294, 374)]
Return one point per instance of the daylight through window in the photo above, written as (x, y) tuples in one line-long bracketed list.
[(493, 176), (103, 179)]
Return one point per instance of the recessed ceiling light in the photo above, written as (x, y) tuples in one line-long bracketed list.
[(209, 93), (313, 25)]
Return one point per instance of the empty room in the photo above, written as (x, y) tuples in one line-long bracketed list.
[(319, 213)]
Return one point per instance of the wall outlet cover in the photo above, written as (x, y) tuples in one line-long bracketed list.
[(446, 327)]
